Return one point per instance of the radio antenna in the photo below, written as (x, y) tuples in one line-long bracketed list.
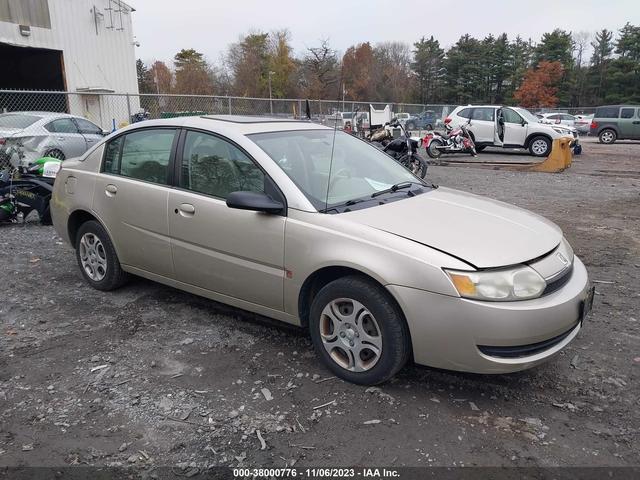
[(333, 145)]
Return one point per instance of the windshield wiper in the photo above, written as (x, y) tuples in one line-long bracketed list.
[(395, 188)]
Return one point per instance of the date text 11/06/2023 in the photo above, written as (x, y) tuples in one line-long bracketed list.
[(313, 473)]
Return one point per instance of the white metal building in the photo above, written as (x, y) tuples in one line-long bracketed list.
[(84, 46)]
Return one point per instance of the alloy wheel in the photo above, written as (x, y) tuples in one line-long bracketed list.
[(93, 257), (606, 136), (539, 147), (350, 334)]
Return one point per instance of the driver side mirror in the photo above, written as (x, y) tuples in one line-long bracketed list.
[(104, 133), (254, 201)]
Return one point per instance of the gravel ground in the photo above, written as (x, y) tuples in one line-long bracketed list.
[(152, 376)]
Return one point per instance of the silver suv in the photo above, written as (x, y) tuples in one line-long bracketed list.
[(509, 127)]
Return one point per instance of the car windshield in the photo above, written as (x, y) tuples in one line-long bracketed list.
[(358, 170), (527, 115), (17, 121)]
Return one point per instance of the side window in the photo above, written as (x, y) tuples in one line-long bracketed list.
[(87, 127), (486, 114), (568, 117), (143, 155), (213, 166), (111, 163), (627, 112), (465, 113), (510, 116), (62, 125), (607, 112)]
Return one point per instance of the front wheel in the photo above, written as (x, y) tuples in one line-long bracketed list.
[(540, 146), (432, 149), (410, 126), (358, 331), (415, 164), (480, 148)]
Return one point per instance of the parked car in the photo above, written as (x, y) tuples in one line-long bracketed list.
[(509, 127), (583, 123), (616, 122), (27, 136), (558, 119), (423, 121), (402, 118), (340, 119), (315, 227)]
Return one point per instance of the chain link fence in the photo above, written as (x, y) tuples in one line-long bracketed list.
[(114, 110)]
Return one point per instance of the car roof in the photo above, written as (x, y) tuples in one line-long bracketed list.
[(42, 114), (241, 124)]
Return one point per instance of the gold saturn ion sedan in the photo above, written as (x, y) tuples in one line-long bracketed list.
[(317, 228)]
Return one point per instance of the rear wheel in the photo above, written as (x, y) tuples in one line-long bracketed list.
[(55, 153), (358, 331), (540, 146), (432, 149), (410, 126), (607, 136), (97, 257)]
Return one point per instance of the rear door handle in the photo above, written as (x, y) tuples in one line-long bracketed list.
[(186, 210), (637, 122), (110, 190)]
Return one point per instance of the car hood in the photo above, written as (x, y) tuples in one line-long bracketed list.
[(483, 232)]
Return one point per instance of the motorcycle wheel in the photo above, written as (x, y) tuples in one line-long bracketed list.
[(415, 164), (432, 151)]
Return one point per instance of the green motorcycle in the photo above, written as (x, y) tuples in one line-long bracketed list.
[(28, 189)]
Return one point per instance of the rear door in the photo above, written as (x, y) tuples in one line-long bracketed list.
[(483, 124), (629, 123), (130, 197), (65, 137), (233, 252)]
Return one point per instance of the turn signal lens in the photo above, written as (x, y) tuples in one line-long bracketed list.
[(463, 284)]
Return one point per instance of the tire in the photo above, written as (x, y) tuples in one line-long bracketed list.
[(379, 321), (428, 126), (410, 126), (92, 243), (480, 148), (434, 152), (55, 153), (415, 165), (540, 146), (607, 136)]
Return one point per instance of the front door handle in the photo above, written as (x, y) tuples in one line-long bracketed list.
[(110, 190), (637, 122), (186, 210)]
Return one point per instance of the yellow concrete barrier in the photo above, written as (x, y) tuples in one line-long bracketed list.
[(559, 159)]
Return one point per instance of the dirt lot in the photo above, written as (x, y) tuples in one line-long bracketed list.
[(149, 375)]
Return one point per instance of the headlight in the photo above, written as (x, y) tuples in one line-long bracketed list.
[(561, 131), (519, 283)]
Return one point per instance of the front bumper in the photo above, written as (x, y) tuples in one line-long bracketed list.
[(447, 332)]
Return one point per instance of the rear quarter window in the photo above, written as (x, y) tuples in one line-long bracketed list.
[(607, 112), (465, 113)]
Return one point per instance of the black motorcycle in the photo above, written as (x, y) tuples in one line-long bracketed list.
[(403, 149)]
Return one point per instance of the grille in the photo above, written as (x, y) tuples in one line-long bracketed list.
[(524, 350)]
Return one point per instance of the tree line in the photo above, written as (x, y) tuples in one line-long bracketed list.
[(555, 71)]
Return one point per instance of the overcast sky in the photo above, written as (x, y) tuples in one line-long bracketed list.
[(163, 27)]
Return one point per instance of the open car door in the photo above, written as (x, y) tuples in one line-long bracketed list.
[(499, 130)]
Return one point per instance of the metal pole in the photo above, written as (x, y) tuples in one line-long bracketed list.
[(229, 105), (270, 99), (129, 107)]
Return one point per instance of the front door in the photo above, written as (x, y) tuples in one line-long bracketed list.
[(130, 197), (629, 123), (233, 252), (92, 133), (515, 128)]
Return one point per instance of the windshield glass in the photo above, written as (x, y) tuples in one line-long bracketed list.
[(358, 169), (527, 115), (17, 121)]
